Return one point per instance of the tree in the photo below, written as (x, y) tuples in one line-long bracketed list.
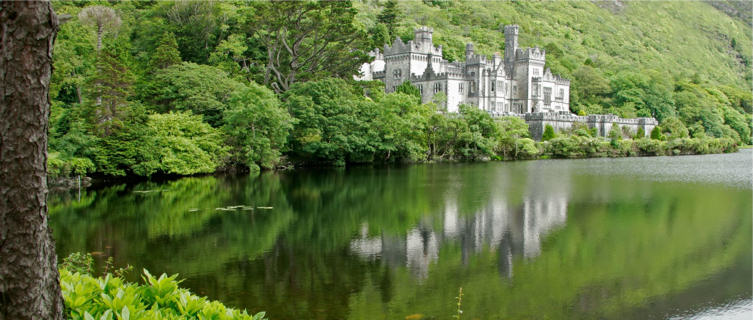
[(110, 89), (615, 135), (167, 53), (203, 90), (548, 133), (641, 133), (29, 287), (389, 16), (102, 18), (511, 129), (408, 88), (184, 144), (672, 128), (257, 127), (335, 125), (308, 40)]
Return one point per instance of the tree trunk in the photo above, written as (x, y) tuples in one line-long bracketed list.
[(29, 285)]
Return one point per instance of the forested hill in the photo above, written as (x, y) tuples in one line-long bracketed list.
[(677, 39), (186, 87)]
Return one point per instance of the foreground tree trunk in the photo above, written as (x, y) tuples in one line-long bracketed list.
[(29, 284)]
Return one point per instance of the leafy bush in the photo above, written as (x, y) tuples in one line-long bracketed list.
[(58, 166), (108, 298), (548, 133)]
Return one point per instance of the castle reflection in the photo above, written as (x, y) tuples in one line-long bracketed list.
[(511, 227)]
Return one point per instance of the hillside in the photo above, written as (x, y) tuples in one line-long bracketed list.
[(675, 38), (680, 59)]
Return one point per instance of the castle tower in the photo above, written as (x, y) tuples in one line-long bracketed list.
[(468, 51), (511, 43), (423, 36)]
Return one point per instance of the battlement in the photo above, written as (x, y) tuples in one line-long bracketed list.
[(376, 54), (511, 29), (421, 43), (549, 77), (476, 59), (530, 54)]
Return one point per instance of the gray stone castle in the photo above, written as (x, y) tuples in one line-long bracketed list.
[(517, 84)]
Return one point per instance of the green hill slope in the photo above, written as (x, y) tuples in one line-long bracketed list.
[(675, 38), (609, 49)]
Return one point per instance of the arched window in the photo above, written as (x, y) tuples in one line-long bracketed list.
[(437, 87)]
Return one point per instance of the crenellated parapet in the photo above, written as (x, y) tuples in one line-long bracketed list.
[(549, 77), (530, 54)]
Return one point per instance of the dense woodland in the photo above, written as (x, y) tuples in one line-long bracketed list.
[(179, 88)]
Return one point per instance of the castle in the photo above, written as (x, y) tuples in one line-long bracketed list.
[(517, 83), (514, 85)]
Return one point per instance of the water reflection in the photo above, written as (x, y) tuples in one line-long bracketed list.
[(541, 239), (509, 227)]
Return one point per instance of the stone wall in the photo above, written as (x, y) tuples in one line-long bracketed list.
[(562, 121)]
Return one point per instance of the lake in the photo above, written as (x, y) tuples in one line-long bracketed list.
[(627, 238)]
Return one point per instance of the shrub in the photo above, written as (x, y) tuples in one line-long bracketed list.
[(650, 147), (548, 133), (526, 149), (108, 297)]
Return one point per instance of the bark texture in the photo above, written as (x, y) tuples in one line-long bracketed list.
[(29, 281)]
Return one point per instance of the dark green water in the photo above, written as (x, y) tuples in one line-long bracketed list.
[(632, 238)]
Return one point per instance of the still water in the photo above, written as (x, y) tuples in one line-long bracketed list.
[(630, 238)]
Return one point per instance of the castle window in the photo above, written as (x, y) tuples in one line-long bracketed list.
[(536, 71), (493, 86), (460, 87), (547, 96), (437, 87), (562, 94), (397, 73), (515, 90), (421, 89)]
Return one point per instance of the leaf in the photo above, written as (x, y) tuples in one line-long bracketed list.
[(125, 314)]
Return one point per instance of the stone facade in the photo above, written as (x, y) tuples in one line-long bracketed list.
[(517, 84), (603, 123)]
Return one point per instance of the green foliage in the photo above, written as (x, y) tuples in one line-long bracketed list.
[(334, 125), (107, 297), (548, 133), (308, 40), (614, 134), (78, 262), (656, 133), (408, 88), (182, 144), (257, 127), (401, 126), (641, 133), (110, 87), (167, 53), (203, 90), (69, 166), (511, 131), (673, 128)]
